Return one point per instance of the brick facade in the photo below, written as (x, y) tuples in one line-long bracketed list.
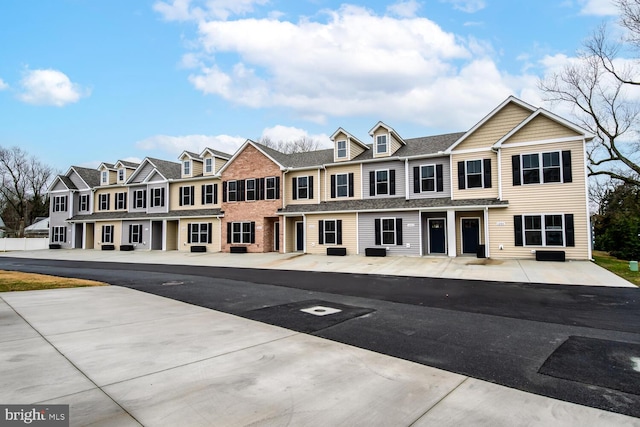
[(252, 163)]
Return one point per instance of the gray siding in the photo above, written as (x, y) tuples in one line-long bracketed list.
[(410, 232), (143, 173), (400, 179), (75, 178), (131, 199), (57, 219), (59, 186), (158, 209), (146, 233), (446, 178)]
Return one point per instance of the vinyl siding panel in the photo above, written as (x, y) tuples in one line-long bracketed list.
[(79, 182), (158, 209), (357, 181), (395, 145), (143, 173), (117, 233), (183, 228), (446, 181), (219, 163), (476, 193), (130, 199), (59, 187), (317, 189), (146, 234), (495, 128), (198, 168), (174, 194), (112, 199), (410, 232), (372, 167), (349, 230), (539, 129)]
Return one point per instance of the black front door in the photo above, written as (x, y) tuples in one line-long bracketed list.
[(437, 236), (470, 235), (299, 236), (276, 236)]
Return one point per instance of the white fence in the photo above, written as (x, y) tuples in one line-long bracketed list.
[(24, 244)]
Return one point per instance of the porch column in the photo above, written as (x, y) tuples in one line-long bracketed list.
[(84, 235), (486, 233), (451, 233), (164, 234)]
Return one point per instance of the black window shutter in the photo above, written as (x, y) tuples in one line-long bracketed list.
[(487, 173), (416, 179), (253, 232), (193, 195), (351, 185), (439, 179), (208, 232), (310, 190), (294, 187), (130, 233), (517, 226), (181, 194), (398, 231), (228, 232), (333, 186), (569, 230), (125, 200), (240, 187), (224, 191), (215, 194), (515, 166), (461, 176), (339, 232), (392, 182), (372, 183), (189, 233), (321, 232), (144, 198), (203, 188), (277, 187), (108, 201), (378, 232), (566, 166), (261, 182), (161, 196)]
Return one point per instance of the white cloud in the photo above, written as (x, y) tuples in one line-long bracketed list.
[(3, 85), (287, 134), (195, 143), (49, 87), (468, 6), (404, 9), (187, 10), (598, 8)]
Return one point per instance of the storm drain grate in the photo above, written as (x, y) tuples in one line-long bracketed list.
[(320, 310)]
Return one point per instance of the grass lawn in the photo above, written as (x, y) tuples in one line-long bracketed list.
[(617, 266), (18, 281)]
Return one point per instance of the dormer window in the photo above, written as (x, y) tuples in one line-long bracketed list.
[(186, 167), (105, 177), (121, 174), (208, 165), (381, 144), (342, 149)]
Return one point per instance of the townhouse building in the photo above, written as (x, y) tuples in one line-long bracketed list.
[(512, 186)]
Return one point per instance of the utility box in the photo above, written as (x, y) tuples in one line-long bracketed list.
[(633, 265)]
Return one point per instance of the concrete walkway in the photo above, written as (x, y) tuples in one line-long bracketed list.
[(121, 357), (527, 271)]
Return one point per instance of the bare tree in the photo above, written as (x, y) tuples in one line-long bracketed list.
[(23, 190), (300, 145), (603, 90)]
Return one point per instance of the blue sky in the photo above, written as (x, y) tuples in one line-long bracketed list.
[(90, 81)]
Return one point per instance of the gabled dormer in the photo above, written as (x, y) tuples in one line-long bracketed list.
[(124, 170), (191, 164), (107, 174), (346, 146), (213, 160), (386, 140)]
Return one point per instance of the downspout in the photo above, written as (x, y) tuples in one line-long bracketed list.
[(499, 154), (406, 179)]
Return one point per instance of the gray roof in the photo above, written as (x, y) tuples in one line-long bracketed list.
[(102, 216), (218, 153), (129, 164), (399, 203), (42, 225), (67, 181), (90, 176), (170, 170)]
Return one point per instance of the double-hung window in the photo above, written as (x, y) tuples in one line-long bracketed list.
[(474, 173), (330, 232), (536, 168), (551, 170), (157, 197), (341, 149), (388, 231), (121, 201), (209, 194), (208, 165), (250, 188), (303, 187), (382, 182), (232, 191), (241, 232), (121, 175), (530, 168), (103, 202), (186, 195), (104, 177), (139, 199), (59, 234), (107, 234), (200, 232), (84, 202), (270, 184), (135, 233), (381, 144), (60, 204), (186, 167), (342, 185), (427, 178), (544, 230)]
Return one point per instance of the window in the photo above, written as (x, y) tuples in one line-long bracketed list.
[(121, 200), (250, 186), (241, 232), (59, 234), (107, 234), (427, 178), (232, 191), (84, 202), (472, 174), (271, 184), (186, 196), (135, 233), (554, 166), (199, 232), (382, 182), (103, 202), (121, 174), (104, 177), (208, 165), (209, 194), (544, 230), (301, 187), (388, 231), (186, 167), (60, 203), (381, 144), (139, 199), (341, 149), (157, 197), (330, 232), (342, 185)]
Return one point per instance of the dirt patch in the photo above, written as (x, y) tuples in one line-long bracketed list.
[(485, 261)]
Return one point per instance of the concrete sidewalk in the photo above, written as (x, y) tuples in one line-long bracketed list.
[(121, 357), (526, 271)]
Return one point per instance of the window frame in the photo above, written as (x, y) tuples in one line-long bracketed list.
[(544, 230), (234, 191), (186, 167), (253, 191), (392, 220), (386, 182), (139, 199), (268, 188), (300, 187), (333, 232), (108, 231), (187, 197), (60, 203), (208, 192), (241, 236), (467, 175), (121, 175), (104, 177), (200, 232), (59, 234), (424, 179), (339, 149), (136, 229), (208, 165), (379, 144), (103, 202), (344, 186), (83, 203), (121, 200), (156, 193)]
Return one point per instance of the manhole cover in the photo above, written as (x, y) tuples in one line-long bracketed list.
[(173, 283), (319, 310)]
